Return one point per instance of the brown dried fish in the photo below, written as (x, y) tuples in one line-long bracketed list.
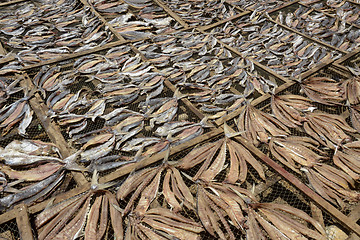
[(258, 126), (288, 108), (323, 90), (327, 129), (295, 152), (352, 89)]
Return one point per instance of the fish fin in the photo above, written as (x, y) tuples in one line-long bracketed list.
[(138, 156), (94, 179), (49, 204), (178, 94), (229, 132), (204, 123), (70, 163), (43, 92), (118, 208), (167, 154), (15, 182)]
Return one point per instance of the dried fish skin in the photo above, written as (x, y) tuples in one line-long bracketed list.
[(258, 126), (323, 90), (345, 158), (296, 152), (328, 129), (288, 109), (284, 223)]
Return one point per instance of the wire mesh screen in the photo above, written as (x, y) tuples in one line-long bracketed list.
[(9, 231)]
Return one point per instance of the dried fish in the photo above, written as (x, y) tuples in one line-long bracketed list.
[(288, 109), (328, 129), (295, 152), (258, 126), (323, 90)]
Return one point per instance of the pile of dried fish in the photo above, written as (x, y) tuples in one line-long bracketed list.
[(51, 30), (320, 26), (346, 11), (110, 84), (285, 52), (207, 81), (136, 19), (197, 12), (258, 6), (36, 164)]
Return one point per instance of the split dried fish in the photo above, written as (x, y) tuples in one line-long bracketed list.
[(258, 126), (352, 88), (161, 223), (278, 221), (289, 108), (328, 129), (323, 90), (345, 159), (295, 152), (145, 184), (332, 184)]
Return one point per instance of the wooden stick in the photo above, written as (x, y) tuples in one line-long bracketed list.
[(283, 6), (23, 222), (205, 28)]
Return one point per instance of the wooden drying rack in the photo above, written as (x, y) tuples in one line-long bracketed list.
[(20, 212)]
